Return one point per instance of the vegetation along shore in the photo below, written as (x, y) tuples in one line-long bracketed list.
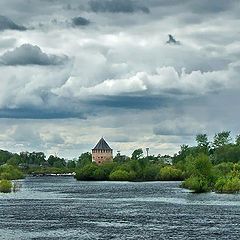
[(207, 166)]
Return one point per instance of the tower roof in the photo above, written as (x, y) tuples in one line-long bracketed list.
[(102, 145)]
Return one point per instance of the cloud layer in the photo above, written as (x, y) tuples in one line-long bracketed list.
[(86, 69), (117, 6)]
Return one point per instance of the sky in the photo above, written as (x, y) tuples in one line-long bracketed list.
[(74, 71)]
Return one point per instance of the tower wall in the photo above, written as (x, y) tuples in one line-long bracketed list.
[(102, 156)]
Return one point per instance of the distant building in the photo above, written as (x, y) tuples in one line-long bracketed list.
[(120, 158), (102, 153)]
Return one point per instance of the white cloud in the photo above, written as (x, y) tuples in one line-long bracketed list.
[(114, 57), (165, 80), (27, 86)]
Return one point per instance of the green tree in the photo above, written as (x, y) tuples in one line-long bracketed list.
[(15, 160), (223, 169), (103, 171), (182, 154), (71, 164), (84, 159), (200, 172), (86, 173), (238, 140), (25, 157), (10, 172), (55, 161), (37, 158), (137, 154), (227, 153), (136, 167), (34, 158), (199, 166), (4, 156), (151, 172), (221, 139), (203, 143), (202, 140), (197, 184)]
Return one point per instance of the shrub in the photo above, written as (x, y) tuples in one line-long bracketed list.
[(199, 166), (197, 184), (86, 173), (5, 186), (100, 175), (223, 169), (5, 175), (150, 173), (103, 171), (170, 173), (122, 175), (228, 185), (219, 185), (10, 172), (232, 185)]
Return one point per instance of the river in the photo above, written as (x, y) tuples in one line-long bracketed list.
[(58, 207)]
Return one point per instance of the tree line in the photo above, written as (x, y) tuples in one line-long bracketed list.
[(206, 166), (36, 162)]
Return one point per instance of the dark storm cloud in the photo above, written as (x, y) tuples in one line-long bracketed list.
[(117, 6), (34, 113), (80, 21), (28, 54), (6, 23), (132, 102), (213, 6)]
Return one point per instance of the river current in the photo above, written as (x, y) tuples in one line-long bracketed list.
[(58, 207)]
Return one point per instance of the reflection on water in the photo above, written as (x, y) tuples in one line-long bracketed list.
[(16, 185), (62, 208)]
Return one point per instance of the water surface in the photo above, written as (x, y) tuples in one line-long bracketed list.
[(62, 208)]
